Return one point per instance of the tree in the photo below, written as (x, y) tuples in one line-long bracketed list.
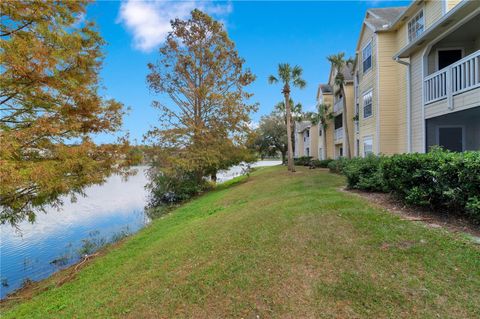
[(341, 65), (322, 117), (204, 115), (50, 107), (271, 136), (296, 115), (289, 77)]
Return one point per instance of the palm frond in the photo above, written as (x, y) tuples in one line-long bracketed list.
[(300, 83), (284, 72), (272, 79)]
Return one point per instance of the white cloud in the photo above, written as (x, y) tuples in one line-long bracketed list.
[(149, 21)]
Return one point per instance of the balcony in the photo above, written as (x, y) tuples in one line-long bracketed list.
[(454, 80), (338, 106), (338, 133)]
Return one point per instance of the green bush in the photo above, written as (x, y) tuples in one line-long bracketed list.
[(302, 161), (336, 166), (365, 173), (438, 179), (320, 163), (168, 189)]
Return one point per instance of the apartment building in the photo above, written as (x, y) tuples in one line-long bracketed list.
[(319, 143), (417, 78), (415, 84)]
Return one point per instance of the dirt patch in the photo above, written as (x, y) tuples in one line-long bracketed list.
[(430, 218)]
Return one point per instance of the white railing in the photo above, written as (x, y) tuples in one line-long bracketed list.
[(456, 78), (338, 106), (339, 133)]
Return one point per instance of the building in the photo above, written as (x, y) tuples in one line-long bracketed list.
[(417, 78), (415, 84)]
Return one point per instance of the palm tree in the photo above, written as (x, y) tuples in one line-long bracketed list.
[(289, 76), (340, 64), (322, 117), (296, 115)]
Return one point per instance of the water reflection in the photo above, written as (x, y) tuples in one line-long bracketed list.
[(60, 237)]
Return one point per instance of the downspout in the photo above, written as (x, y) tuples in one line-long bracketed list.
[(409, 106)]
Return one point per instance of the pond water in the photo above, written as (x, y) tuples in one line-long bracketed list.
[(59, 238)]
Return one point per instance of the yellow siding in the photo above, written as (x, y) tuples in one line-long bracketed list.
[(433, 10), (367, 81), (328, 100), (390, 108), (452, 3), (349, 96)]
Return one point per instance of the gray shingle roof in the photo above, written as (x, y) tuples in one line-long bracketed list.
[(325, 88), (347, 72), (383, 18)]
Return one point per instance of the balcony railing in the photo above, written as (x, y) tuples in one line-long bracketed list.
[(456, 78), (338, 133), (338, 106)]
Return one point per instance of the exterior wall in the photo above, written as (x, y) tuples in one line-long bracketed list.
[(451, 3), (469, 120), (349, 96), (433, 10), (314, 141), (416, 116), (392, 113), (367, 81), (329, 132), (299, 146)]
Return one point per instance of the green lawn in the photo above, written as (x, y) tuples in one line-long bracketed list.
[(276, 245)]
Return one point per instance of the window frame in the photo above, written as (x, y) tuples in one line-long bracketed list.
[(422, 11), (370, 91), (369, 43), (364, 140)]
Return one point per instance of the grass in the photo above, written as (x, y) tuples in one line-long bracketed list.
[(274, 245)]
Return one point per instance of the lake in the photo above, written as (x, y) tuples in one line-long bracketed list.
[(60, 237)]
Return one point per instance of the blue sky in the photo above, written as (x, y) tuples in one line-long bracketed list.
[(266, 33)]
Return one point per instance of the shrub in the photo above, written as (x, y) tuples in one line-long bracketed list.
[(168, 189), (320, 163), (302, 161), (365, 173), (336, 166), (439, 179)]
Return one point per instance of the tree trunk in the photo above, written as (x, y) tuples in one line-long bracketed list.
[(346, 137), (291, 167)]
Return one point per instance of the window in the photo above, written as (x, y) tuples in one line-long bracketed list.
[(367, 146), (319, 130), (367, 104), (307, 152), (416, 26), (320, 153), (308, 133), (367, 57)]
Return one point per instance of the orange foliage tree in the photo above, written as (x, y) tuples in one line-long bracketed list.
[(204, 122), (50, 107)]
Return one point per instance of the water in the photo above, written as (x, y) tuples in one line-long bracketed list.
[(59, 238)]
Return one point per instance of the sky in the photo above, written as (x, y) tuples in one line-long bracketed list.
[(266, 33)]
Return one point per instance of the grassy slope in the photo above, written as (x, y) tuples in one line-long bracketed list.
[(275, 246)]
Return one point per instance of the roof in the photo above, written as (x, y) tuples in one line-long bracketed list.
[(348, 72), (325, 88), (302, 126), (381, 19)]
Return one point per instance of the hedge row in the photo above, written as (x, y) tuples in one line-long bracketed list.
[(440, 180), (309, 161)]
